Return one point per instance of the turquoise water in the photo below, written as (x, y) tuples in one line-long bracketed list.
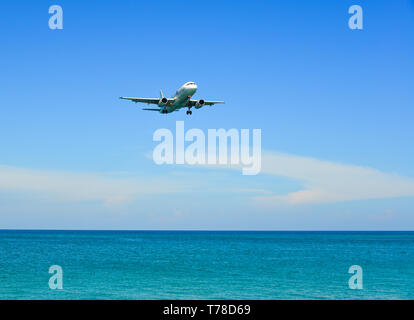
[(206, 265)]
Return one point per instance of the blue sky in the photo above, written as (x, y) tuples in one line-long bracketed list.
[(336, 103)]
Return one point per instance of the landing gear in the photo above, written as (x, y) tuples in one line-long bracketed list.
[(189, 112)]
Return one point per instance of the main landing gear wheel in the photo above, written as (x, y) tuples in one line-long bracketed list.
[(189, 112)]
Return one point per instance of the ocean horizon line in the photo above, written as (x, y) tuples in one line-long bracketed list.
[(203, 230)]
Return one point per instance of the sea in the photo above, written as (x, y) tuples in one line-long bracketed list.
[(36, 264)]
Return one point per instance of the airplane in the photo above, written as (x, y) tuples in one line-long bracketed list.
[(181, 99)]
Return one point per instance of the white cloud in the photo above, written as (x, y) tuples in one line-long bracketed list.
[(70, 187), (327, 182), (322, 182)]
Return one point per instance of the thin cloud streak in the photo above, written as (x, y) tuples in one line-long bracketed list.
[(329, 182), (322, 182), (79, 187)]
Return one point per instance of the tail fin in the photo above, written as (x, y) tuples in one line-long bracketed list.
[(161, 94)]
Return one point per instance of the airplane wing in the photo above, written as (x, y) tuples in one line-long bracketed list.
[(206, 103), (147, 100), (144, 100)]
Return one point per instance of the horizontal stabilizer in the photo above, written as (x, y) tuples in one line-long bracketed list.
[(151, 109)]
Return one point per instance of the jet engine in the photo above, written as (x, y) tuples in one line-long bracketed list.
[(199, 104), (163, 101)]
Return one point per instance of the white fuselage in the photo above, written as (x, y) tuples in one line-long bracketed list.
[(182, 96)]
